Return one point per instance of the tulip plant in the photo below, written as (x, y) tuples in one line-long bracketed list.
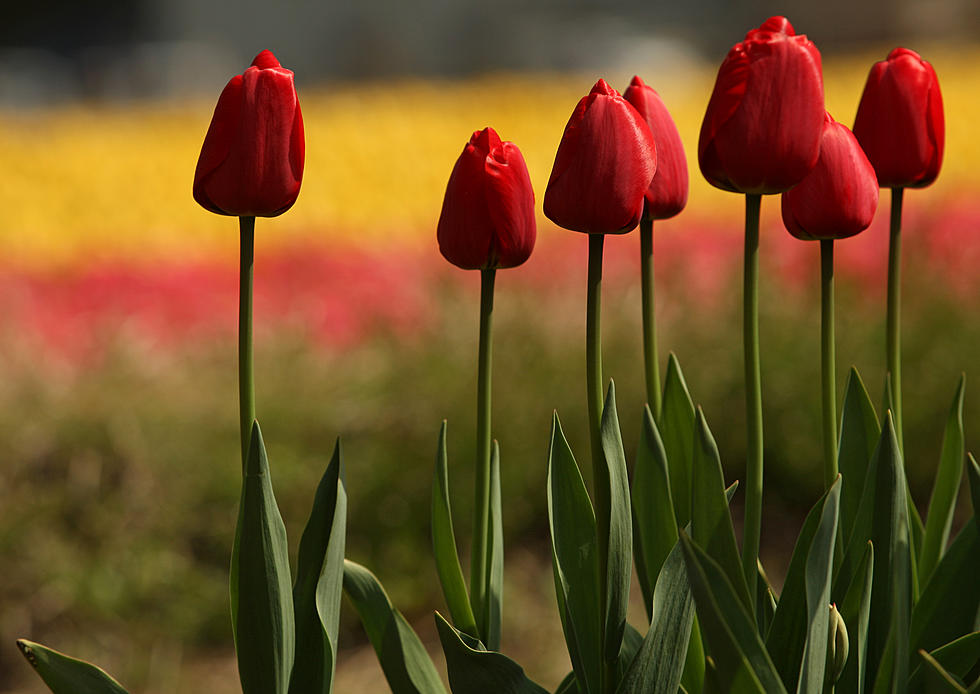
[(874, 600)]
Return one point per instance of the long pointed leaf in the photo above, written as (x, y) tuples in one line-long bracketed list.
[(677, 425), (66, 675), (937, 679), (575, 561), (859, 434), (973, 474), (495, 577), (265, 628), (619, 561), (957, 658), (945, 488), (855, 609), (403, 658), (319, 584), (444, 543)]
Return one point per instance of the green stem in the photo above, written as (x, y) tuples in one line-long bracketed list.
[(894, 309), (479, 560), (650, 361), (246, 379), (828, 365), (753, 396)]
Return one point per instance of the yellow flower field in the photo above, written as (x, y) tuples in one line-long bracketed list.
[(114, 181)]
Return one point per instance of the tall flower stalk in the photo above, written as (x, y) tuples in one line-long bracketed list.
[(246, 376), (828, 362)]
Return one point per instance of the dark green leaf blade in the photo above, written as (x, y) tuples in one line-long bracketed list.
[(654, 524), (859, 434), (66, 675), (619, 560), (855, 609), (319, 583), (936, 679), (444, 543), (957, 658), (575, 561), (403, 658), (265, 630), (945, 487), (677, 424), (475, 670), (495, 577), (973, 474)]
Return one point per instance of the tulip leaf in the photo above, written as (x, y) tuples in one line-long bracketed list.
[(575, 561), (740, 660), (787, 636), (711, 521), (945, 488), (66, 675), (619, 560), (319, 584), (958, 658), (765, 600), (819, 571), (631, 645), (659, 663), (936, 679), (495, 576), (973, 474), (654, 524), (916, 528), (264, 628), (444, 544), (403, 659), (859, 434), (475, 670), (855, 610), (677, 425)]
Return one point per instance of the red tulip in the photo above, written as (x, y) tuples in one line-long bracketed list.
[(839, 197), (667, 193), (899, 122), (487, 217), (604, 165), (761, 132), (251, 163)]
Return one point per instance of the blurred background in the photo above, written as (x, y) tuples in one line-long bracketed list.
[(118, 298)]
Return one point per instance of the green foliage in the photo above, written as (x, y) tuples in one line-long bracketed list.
[(66, 675)]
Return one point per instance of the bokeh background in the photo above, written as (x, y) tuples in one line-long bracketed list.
[(118, 298)]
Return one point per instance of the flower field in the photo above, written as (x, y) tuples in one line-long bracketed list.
[(118, 303)]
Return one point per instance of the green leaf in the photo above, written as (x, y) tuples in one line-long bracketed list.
[(936, 678), (575, 561), (957, 658), (819, 569), (855, 609), (677, 424), (319, 584), (631, 644), (264, 629), (949, 606), (859, 434), (973, 473), (444, 544), (765, 600), (659, 663), (495, 577), (787, 637), (66, 675), (403, 658), (740, 660), (654, 524), (711, 521), (945, 488), (619, 561), (475, 670), (916, 529)]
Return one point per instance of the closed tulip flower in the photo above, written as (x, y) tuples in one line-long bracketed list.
[(603, 168), (761, 131), (667, 193), (251, 163), (839, 197), (899, 121), (487, 215)]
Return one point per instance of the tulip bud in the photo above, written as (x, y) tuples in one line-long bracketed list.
[(761, 131), (839, 197), (837, 646), (899, 121), (487, 217), (603, 168), (251, 163), (667, 193)]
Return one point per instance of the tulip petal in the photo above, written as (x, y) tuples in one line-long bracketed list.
[(217, 143), (510, 200)]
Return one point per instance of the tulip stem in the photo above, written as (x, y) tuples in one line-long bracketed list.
[(828, 362), (650, 360), (894, 310), (246, 378), (479, 560), (753, 396)]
